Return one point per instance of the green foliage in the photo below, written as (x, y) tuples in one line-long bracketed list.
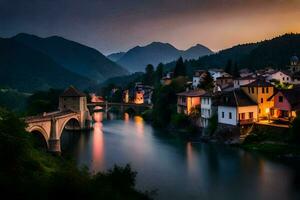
[(149, 75), (43, 101), (159, 73), (195, 112), (12, 99), (261, 134), (147, 115), (228, 67), (207, 83), (212, 124), (29, 173), (295, 130), (180, 68), (180, 120), (165, 101)]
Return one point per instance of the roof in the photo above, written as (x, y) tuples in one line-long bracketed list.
[(281, 71), (259, 82), (192, 93), (236, 98), (292, 96), (246, 78), (225, 77), (72, 92)]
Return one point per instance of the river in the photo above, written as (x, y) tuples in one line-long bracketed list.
[(180, 168)]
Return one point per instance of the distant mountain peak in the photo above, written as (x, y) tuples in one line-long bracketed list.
[(154, 53)]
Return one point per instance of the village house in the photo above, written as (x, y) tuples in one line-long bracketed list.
[(198, 78), (167, 79), (286, 103), (281, 76), (188, 100), (238, 82), (260, 91), (294, 64), (236, 108), (224, 82), (245, 72), (216, 73), (143, 93), (209, 102)]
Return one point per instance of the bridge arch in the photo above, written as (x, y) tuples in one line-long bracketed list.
[(65, 122), (40, 130)]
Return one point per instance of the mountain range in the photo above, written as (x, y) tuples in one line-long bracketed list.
[(138, 57), (30, 63)]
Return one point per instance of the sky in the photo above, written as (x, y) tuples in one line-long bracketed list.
[(118, 25)]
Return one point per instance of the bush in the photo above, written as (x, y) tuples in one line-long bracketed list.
[(180, 120)]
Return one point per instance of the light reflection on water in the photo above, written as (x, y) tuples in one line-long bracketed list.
[(182, 169)]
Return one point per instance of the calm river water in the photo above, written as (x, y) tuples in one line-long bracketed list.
[(178, 168)]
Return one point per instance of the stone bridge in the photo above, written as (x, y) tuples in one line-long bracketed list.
[(121, 107), (72, 107)]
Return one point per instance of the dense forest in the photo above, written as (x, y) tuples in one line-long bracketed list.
[(268, 53)]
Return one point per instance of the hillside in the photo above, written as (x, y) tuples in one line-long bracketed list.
[(138, 57), (28, 70), (115, 56), (74, 57), (275, 53), (195, 52)]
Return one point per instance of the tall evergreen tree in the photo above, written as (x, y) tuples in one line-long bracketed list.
[(149, 75), (235, 72), (228, 67), (159, 72), (208, 82), (180, 68)]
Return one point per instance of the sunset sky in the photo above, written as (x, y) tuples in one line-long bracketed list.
[(117, 25)]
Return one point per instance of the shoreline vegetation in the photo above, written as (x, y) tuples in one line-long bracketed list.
[(28, 171)]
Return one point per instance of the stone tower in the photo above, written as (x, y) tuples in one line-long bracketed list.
[(75, 100)]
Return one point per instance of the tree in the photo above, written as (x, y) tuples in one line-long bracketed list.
[(235, 72), (208, 82), (159, 72), (228, 67), (149, 75), (295, 130), (180, 68)]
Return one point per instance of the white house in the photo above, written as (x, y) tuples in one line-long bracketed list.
[(216, 73), (236, 108), (238, 82), (208, 107), (281, 76), (198, 77)]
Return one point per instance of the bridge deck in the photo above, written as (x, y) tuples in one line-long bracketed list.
[(48, 116), (119, 104)]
